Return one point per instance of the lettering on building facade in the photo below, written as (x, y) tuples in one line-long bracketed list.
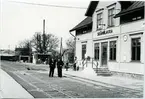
[(105, 32)]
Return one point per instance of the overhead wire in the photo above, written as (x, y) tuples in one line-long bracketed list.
[(48, 5)]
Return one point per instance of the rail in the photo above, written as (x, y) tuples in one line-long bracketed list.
[(94, 62)]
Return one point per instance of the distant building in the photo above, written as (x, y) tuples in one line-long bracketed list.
[(8, 55), (39, 58), (112, 35), (23, 54)]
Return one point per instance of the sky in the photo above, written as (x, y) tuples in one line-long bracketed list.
[(20, 21)]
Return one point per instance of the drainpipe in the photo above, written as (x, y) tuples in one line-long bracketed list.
[(120, 48)]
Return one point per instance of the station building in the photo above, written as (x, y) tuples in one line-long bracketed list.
[(112, 34)]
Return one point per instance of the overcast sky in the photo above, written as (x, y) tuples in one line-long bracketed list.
[(20, 21)]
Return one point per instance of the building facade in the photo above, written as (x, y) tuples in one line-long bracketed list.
[(112, 34)]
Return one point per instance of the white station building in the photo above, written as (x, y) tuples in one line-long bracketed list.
[(112, 34)]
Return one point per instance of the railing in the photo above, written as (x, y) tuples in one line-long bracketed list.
[(94, 62), (84, 62)]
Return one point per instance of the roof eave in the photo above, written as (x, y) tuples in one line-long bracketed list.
[(127, 12), (79, 27)]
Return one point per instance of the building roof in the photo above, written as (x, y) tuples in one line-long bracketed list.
[(91, 8), (137, 5), (21, 49), (6, 54), (83, 23), (7, 51)]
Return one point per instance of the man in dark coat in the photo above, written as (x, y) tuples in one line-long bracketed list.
[(59, 67), (75, 63), (52, 64)]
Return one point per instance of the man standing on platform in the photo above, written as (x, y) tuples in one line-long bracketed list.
[(75, 63), (59, 67), (52, 64)]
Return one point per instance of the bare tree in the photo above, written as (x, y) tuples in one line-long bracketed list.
[(70, 43), (24, 44), (24, 48), (44, 43)]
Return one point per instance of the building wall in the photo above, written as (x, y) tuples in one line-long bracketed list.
[(127, 67), (131, 30), (123, 61), (89, 37), (105, 13), (78, 50), (110, 36), (83, 39)]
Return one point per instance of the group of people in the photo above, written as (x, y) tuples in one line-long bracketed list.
[(59, 63), (52, 64)]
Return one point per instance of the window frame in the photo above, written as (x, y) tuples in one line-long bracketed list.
[(111, 21), (99, 19), (96, 51), (136, 46), (83, 54), (114, 50)]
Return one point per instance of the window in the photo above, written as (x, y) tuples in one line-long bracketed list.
[(96, 51), (135, 44), (113, 50), (110, 17), (83, 51), (99, 20)]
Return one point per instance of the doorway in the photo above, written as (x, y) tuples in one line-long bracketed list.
[(104, 47)]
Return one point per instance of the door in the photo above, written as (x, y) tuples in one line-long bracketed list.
[(104, 46)]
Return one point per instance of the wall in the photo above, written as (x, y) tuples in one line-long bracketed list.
[(128, 67), (125, 64), (84, 39), (105, 13)]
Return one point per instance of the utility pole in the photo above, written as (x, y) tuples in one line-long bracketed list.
[(61, 48)]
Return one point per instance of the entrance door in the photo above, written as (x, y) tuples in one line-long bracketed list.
[(104, 46)]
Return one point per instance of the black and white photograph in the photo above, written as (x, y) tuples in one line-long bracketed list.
[(72, 49)]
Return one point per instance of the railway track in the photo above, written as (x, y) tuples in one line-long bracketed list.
[(55, 92)]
